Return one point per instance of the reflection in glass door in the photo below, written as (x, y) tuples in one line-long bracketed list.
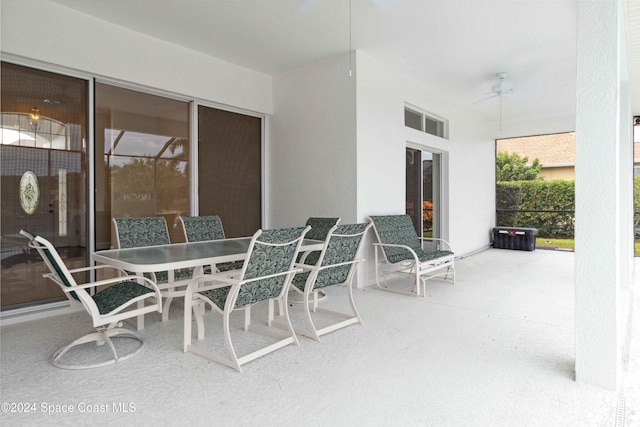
[(141, 159), (423, 187), (43, 167)]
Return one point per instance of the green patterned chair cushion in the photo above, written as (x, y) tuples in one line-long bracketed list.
[(139, 232), (201, 228), (311, 258), (147, 231), (263, 260), (342, 247), (430, 256), (208, 227), (116, 295), (107, 299), (163, 276), (320, 227), (57, 268), (229, 266), (399, 230)]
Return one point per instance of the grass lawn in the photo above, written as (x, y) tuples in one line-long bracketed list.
[(544, 242), (568, 244)]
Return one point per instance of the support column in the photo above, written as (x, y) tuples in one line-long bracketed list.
[(600, 200)]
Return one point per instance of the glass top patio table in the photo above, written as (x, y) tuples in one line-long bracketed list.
[(183, 255)]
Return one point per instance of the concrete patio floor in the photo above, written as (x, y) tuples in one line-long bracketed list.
[(495, 349)]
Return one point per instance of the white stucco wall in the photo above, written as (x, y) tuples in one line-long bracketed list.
[(343, 139), (468, 154), (604, 157), (48, 32), (311, 161)]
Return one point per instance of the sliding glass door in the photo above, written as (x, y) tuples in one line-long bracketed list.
[(230, 169), (141, 159), (423, 191), (44, 171), (140, 155)]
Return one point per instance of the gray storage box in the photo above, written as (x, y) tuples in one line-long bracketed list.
[(518, 238)]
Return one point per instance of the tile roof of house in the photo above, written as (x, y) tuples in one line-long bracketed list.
[(551, 150), (558, 149)]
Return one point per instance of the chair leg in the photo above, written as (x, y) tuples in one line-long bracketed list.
[(199, 310), (192, 307), (345, 319), (352, 303), (186, 340), (101, 337), (271, 311), (288, 319), (165, 308), (377, 271), (313, 333), (247, 318), (227, 340), (281, 307), (140, 318)]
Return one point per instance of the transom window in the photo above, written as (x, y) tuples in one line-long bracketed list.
[(425, 122)]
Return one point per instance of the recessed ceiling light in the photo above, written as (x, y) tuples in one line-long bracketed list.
[(52, 101)]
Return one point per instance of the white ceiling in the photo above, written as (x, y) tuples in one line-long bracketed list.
[(454, 47)]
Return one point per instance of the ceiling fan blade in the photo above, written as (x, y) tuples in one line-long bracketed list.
[(308, 6), (485, 99)]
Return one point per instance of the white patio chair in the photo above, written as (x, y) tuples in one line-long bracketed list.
[(320, 227), (152, 231), (265, 276), (124, 298), (399, 252), (207, 227), (335, 265)]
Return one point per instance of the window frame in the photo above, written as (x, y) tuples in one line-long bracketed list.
[(442, 124)]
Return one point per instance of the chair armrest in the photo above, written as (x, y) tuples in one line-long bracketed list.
[(342, 263), (226, 280), (433, 239), (97, 267), (219, 280), (393, 245), (304, 267), (408, 248), (292, 271), (150, 283)]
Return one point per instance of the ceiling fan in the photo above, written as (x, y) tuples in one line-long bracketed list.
[(384, 5), (500, 89)]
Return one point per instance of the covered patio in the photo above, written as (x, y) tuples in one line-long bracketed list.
[(496, 348), (522, 338)]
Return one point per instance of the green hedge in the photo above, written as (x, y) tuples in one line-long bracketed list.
[(523, 196)]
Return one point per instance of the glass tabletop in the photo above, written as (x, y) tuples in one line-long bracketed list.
[(183, 255)]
